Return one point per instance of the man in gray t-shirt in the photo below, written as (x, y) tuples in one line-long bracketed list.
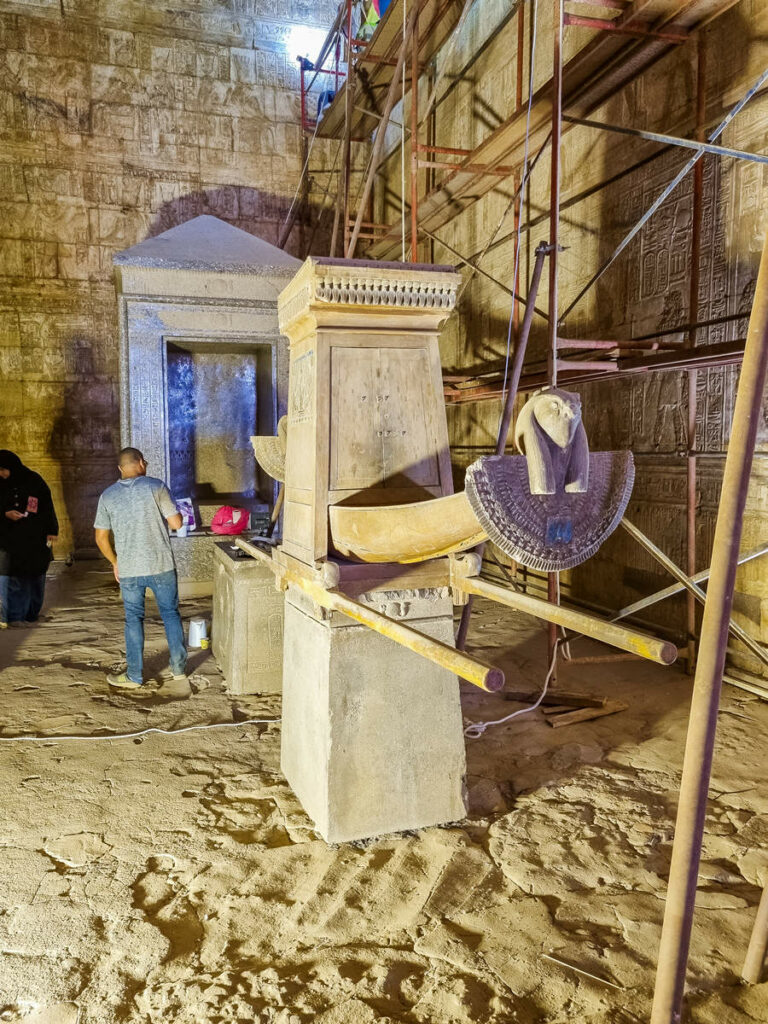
[(136, 510)]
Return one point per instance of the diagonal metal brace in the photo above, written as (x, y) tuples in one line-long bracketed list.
[(666, 192), (677, 588), (681, 577)]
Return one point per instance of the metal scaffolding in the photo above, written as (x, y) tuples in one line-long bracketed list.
[(445, 181)]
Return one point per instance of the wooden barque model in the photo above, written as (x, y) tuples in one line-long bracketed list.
[(373, 532)]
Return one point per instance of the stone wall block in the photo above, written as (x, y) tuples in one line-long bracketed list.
[(243, 65), (253, 135), (13, 401), (79, 261), (120, 47), (287, 106), (69, 220), (9, 329), (214, 131), (11, 33), (184, 57), (10, 364), (12, 185), (111, 84), (211, 62)]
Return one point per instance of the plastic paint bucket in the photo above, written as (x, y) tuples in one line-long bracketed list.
[(198, 630)]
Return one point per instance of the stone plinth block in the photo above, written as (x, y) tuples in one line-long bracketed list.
[(194, 565), (247, 631), (372, 736)]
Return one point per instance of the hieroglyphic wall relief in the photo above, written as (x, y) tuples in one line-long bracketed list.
[(653, 417), (117, 121), (645, 291)]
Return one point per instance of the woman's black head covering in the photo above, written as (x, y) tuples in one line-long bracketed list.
[(9, 460)]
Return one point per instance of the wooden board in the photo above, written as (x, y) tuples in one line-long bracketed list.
[(568, 698), (586, 714)]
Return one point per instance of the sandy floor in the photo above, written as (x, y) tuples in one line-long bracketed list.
[(176, 879)]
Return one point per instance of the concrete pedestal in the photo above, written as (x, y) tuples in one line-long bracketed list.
[(247, 630), (372, 736)]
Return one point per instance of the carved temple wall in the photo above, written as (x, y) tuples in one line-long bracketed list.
[(120, 119), (646, 290)]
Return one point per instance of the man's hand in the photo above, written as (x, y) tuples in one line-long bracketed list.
[(14, 516), (51, 538), (176, 521), (105, 547)]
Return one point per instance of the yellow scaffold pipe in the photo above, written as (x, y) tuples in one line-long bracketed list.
[(625, 639), (475, 671)]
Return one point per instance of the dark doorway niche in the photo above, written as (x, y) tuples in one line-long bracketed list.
[(218, 395)]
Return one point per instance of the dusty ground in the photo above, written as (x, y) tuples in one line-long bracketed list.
[(176, 879)]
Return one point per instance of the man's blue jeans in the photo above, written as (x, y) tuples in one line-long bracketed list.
[(166, 590)]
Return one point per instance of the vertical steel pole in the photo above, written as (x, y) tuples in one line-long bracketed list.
[(303, 97), (431, 133), (693, 376), (304, 209), (518, 182), (348, 106), (337, 213), (702, 724), (381, 131), (516, 369), (553, 587), (520, 56), (554, 187), (415, 143), (516, 282)]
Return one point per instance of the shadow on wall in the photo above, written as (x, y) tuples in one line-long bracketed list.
[(83, 441), (253, 210)]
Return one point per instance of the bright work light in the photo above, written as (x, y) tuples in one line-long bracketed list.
[(304, 41)]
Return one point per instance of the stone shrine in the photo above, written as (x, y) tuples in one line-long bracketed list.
[(202, 367)]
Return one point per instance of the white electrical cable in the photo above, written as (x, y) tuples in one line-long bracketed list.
[(476, 729), (144, 732), (304, 168), (301, 176), (523, 182)]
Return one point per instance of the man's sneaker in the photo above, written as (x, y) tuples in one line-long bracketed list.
[(122, 682)]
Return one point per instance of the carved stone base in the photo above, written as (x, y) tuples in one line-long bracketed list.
[(247, 629), (372, 737)]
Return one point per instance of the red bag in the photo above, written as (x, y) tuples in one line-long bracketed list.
[(230, 520)]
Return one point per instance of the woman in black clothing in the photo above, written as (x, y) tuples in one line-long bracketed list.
[(28, 526)]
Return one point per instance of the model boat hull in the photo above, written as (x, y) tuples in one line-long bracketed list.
[(405, 533)]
